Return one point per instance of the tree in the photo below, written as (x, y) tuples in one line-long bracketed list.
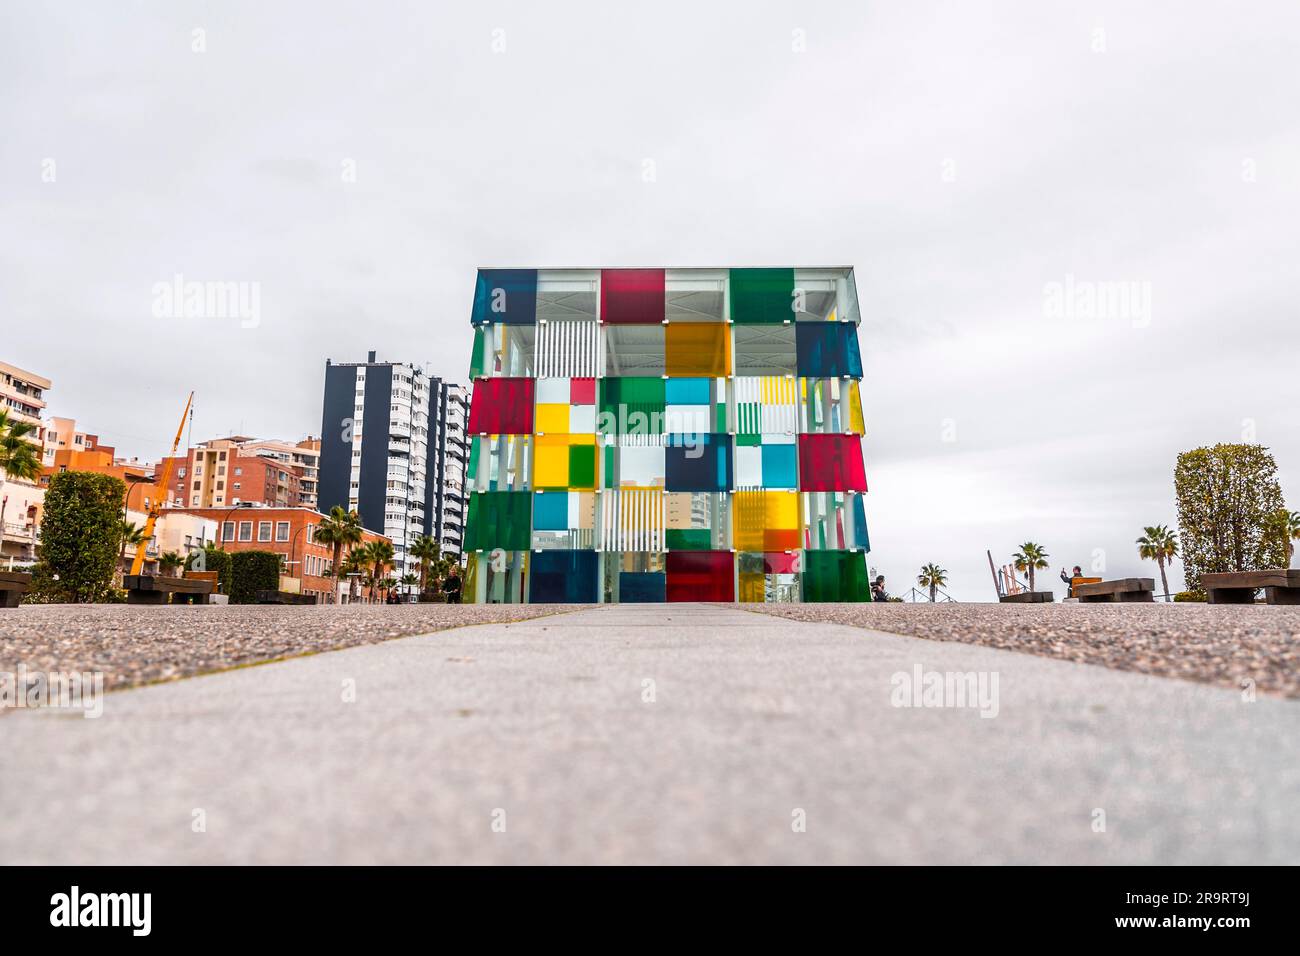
[(339, 528), (429, 553), (1228, 499), (1287, 526), (933, 577), (169, 562), (19, 457), (352, 568), (378, 555), (131, 535), (80, 534), (1030, 557), (1158, 544)]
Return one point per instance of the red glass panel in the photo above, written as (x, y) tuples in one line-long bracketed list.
[(701, 576), (780, 563), (582, 391), (632, 295), (831, 463), (502, 406)]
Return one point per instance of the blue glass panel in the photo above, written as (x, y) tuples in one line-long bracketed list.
[(828, 349), (698, 463), (564, 577), (686, 391), (642, 587), (779, 466), (551, 512), (860, 524), (505, 295)]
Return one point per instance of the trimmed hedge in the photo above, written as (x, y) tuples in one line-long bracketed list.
[(81, 531), (1190, 597), (253, 571), (214, 559)]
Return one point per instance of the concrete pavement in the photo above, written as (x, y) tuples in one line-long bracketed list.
[(654, 734)]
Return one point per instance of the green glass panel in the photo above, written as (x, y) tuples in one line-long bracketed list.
[(762, 296), (631, 406), (473, 461), (499, 519), (476, 359), (582, 466), (688, 539), (610, 472), (742, 439), (835, 576), (720, 417)]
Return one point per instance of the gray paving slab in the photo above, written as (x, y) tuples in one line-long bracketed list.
[(542, 742)]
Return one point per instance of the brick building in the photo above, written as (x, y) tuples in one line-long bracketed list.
[(287, 531), (221, 473)]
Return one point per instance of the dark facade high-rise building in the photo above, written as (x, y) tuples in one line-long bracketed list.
[(392, 449)]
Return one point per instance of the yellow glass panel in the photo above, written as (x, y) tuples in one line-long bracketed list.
[(751, 588), (697, 349), (552, 419), (470, 584), (748, 517), (781, 509), (856, 423), (551, 461)]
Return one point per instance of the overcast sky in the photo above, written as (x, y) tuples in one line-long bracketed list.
[(360, 160)]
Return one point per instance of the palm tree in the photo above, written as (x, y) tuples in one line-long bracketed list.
[(933, 577), (379, 555), (169, 561), (339, 528), (410, 580), (130, 535), (428, 552), (351, 568), (1158, 544), (1029, 558), (1289, 523), (18, 454)]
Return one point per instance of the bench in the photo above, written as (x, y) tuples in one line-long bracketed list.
[(1028, 597), (1126, 590), (1238, 587), (284, 597), (146, 589), (1075, 582), (13, 585)]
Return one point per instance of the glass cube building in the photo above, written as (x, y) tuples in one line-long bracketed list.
[(650, 435)]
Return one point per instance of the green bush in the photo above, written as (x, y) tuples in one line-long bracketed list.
[(253, 571), (81, 531), (1189, 597), (214, 559)]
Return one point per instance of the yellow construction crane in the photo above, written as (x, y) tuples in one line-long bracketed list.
[(159, 493)]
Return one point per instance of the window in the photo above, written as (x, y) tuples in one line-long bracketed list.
[(221, 486), (282, 531), (264, 531), (180, 472), (311, 533), (239, 471), (197, 485), (236, 488), (245, 531), (228, 531)]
